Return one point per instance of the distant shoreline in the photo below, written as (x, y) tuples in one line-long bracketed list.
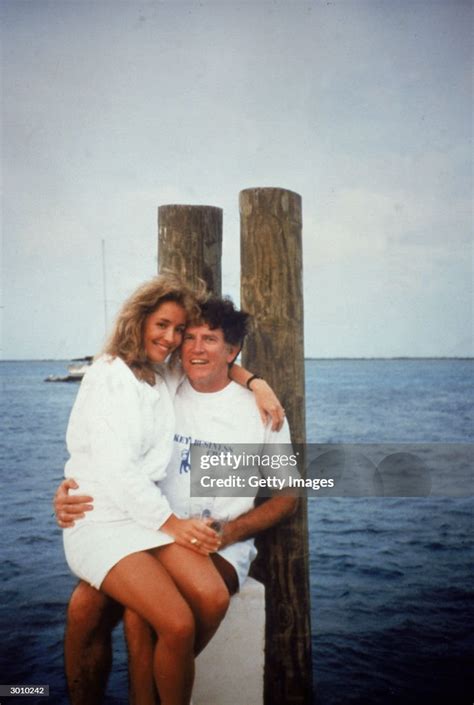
[(399, 357), (319, 359)]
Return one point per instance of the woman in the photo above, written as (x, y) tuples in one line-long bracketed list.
[(132, 546)]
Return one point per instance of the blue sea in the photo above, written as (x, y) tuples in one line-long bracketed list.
[(391, 578)]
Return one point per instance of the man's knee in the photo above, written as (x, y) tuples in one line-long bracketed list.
[(90, 610)]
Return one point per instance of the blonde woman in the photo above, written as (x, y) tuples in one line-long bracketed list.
[(120, 440)]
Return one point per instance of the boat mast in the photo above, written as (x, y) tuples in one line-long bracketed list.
[(104, 288)]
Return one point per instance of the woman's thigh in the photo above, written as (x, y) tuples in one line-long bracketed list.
[(196, 577), (139, 581)]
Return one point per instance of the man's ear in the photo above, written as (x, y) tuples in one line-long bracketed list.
[(234, 351)]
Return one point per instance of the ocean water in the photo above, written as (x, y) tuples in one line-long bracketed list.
[(391, 579)]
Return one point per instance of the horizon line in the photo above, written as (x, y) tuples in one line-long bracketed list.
[(336, 357)]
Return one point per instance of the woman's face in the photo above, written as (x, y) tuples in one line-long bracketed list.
[(163, 331)]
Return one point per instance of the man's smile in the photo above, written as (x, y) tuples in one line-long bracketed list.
[(206, 357)]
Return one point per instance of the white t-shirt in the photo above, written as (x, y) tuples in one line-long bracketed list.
[(218, 421)]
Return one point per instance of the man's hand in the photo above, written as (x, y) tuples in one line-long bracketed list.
[(69, 508), (258, 519), (227, 536)]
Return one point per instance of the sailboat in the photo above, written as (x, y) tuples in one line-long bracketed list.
[(76, 370), (79, 365)]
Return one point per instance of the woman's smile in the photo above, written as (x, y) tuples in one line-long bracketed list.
[(163, 331)]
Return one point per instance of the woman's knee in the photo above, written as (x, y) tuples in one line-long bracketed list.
[(179, 632), (133, 621), (137, 631), (213, 603)]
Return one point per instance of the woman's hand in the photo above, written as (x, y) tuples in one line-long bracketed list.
[(193, 534), (69, 508), (268, 404)]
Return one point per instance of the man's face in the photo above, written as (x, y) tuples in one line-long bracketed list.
[(206, 357)]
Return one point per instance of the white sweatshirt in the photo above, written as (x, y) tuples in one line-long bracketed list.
[(120, 441)]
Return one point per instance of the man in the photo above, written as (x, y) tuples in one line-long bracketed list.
[(213, 412)]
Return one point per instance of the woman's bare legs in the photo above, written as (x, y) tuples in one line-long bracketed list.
[(201, 586), (142, 584), (140, 641), (206, 593)]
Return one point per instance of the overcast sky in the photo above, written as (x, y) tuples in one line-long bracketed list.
[(110, 109)]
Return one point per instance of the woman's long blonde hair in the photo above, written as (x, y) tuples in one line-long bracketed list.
[(126, 339)]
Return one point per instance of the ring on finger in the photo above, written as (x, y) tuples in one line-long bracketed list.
[(194, 541)]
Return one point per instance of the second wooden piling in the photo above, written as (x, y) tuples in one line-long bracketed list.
[(271, 290), (190, 243)]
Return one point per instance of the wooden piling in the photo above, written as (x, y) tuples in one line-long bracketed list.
[(190, 243), (271, 290)]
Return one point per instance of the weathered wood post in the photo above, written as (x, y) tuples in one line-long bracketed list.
[(271, 290), (230, 670), (190, 243)]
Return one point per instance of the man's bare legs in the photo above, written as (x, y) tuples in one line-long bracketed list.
[(204, 590), (91, 617)]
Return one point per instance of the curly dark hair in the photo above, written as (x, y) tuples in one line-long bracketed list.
[(221, 313)]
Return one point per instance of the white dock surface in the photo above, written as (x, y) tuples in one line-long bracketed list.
[(230, 669)]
